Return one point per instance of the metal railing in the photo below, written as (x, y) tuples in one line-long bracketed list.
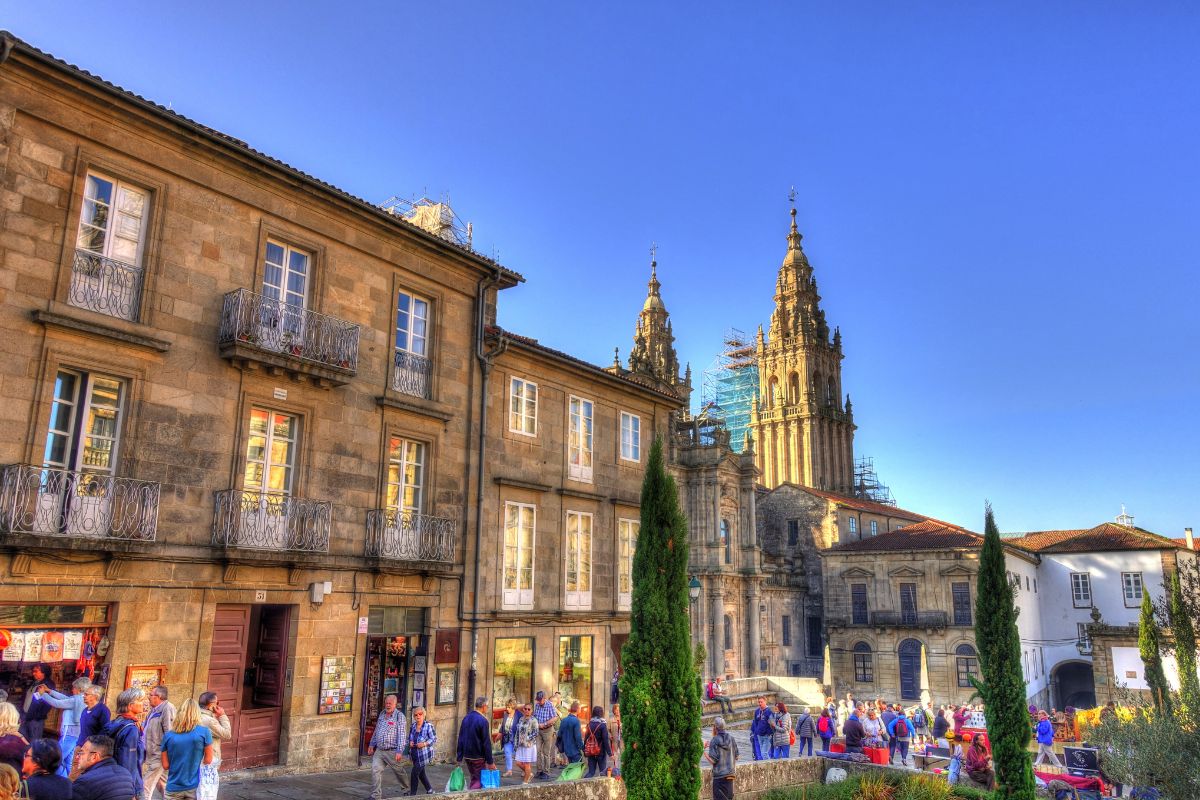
[(411, 374), (56, 502), (290, 330), (917, 619), (106, 286), (265, 521), (408, 536)]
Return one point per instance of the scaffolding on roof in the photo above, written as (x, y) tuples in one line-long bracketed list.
[(867, 485), (730, 386), (435, 216)]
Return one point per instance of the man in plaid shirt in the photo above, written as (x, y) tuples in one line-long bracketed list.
[(546, 715), (387, 746)]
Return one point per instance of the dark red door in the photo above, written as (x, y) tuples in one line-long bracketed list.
[(227, 669)]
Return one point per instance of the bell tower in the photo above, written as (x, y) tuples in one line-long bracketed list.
[(653, 355), (803, 433)]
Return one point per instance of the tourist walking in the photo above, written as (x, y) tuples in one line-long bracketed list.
[(386, 747), (806, 731), (158, 723), (1045, 740), (760, 730), (920, 721), (570, 735), (781, 732), (614, 736), (185, 749), (421, 739), (129, 749), (474, 743), (546, 716), (526, 736), (722, 753), (72, 707), (40, 770), (505, 733), (213, 717), (12, 743), (825, 727), (100, 776), (900, 733), (614, 694), (597, 746)]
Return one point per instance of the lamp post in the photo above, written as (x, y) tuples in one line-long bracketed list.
[(694, 589), (693, 596)]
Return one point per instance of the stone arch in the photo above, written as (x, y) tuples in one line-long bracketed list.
[(794, 388), (772, 391)]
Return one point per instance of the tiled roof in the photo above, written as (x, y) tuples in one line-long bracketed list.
[(1184, 543), (860, 504), (624, 376), (9, 42), (1106, 536), (929, 534)]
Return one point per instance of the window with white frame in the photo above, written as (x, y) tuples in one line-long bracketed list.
[(1084, 640), (522, 407), (519, 538), (579, 440), (106, 275), (1131, 582), (579, 560), (271, 452), (1081, 589), (406, 474), (627, 536), (631, 437), (412, 368), (874, 528), (853, 523)]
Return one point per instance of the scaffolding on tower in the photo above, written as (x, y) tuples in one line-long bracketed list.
[(435, 216), (867, 485), (730, 386)]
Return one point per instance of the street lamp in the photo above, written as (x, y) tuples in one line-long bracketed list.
[(694, 589)]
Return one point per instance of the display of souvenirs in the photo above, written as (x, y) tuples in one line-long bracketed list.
[(16, 648), (52, 647), (337, 684), (33, 645), (72, 645)]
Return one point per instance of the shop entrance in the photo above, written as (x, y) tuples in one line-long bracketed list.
[(396, 664), (248, 669)]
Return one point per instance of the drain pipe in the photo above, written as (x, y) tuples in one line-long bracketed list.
[(486, 358)]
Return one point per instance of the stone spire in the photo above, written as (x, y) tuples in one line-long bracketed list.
[(797, 304), (653, 354)]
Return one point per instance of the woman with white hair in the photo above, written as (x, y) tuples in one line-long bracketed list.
[(72, 707)]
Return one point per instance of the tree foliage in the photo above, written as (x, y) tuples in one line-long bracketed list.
[(660, 690), (1184, 633), (1148, 647), (1002, 685), (1149, 749)]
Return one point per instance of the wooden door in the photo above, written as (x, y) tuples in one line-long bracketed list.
[(227, 668), (910, 669), (271, 659)]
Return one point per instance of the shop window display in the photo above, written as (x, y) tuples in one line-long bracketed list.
[(575, 669), (512, 671)]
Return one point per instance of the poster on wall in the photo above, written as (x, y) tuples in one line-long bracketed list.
[(337, 685), (446, 646), (144, 677), (447, 686)]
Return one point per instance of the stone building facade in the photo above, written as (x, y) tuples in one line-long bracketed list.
[(803, 432), (239, 407)]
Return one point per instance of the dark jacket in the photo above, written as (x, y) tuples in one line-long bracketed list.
[(93, 720), (940, 726), (129, 751), (571, 736), (104, 780), (599, 729), (761, 726), (474, 738), (854, 733), (44, 786), (39, 709), (806, 727)]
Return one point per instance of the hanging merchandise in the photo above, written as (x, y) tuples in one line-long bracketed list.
[(87, 660), (72, 645), (16, 648), (33, 645), (102, 646), (52, 647), (5, 639)]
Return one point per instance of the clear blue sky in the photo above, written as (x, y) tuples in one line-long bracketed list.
[(1000, 199)]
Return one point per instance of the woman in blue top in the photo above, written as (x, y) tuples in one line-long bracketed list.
[(421, 739), (184, 748), (72, 708)]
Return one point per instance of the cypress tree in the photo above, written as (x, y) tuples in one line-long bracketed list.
[(660, 691), (1156, 679), (1002, 686), (1184, 633)]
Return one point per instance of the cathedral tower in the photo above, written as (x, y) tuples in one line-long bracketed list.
[(802, 432), (653, 355)]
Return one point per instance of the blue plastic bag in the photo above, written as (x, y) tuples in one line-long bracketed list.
[(489, 779)]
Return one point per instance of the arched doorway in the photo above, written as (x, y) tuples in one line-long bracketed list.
[(910, 669), (1074, 684)]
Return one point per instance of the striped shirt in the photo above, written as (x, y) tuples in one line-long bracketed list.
[(544, 712)]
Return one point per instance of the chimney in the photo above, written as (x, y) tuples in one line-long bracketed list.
[(1187, 538)]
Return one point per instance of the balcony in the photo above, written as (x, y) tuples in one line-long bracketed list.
[(83, 505), (915, 619), (276, 522), (404, 536), (258, 331), (105, 286), (411, 374)]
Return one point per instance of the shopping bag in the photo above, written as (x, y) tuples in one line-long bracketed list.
[(489, 779), (572, 771), (457, 781)]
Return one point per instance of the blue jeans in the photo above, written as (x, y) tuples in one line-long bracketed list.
[(825, 742), (782, 751), (763, 745), (902, 745), (508, 757), (802, 741)]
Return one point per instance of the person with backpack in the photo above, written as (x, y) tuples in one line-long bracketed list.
[(806, 729), (825, 728), (596, 744), (760, 730), (920, 721), (900, 733), (715, 693), (781, 732), (129, 748)]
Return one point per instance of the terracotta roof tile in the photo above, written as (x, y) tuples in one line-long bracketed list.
[(870, 506), (929, 534), (1106, 536)]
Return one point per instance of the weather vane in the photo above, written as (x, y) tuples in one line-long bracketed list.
[(792, 196), (653, 250)]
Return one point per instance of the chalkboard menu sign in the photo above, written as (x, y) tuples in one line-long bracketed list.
[(337, 684)]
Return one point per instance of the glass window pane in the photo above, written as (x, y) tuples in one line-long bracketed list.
[(274, 253)]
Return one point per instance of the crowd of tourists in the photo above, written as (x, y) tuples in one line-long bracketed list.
[(143, 748)]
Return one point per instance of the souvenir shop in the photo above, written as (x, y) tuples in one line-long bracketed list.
[(69, 641), (396, 659)]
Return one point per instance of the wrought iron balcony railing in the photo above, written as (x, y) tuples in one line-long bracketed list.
[(292, 331), (56, 502), (106, 286), (265, 521), (411, 374), (915, 619), (408, 536)]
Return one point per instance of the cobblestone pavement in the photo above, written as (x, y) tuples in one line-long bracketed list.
[(355, 784)]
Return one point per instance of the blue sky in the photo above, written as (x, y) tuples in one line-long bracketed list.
[(1000, 200)]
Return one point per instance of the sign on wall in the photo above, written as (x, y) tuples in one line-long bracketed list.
[(337, 684)]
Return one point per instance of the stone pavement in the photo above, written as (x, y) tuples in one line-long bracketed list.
[(355, 784)]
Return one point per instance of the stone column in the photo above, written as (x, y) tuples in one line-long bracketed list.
[(716, 650), (753, 618)]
